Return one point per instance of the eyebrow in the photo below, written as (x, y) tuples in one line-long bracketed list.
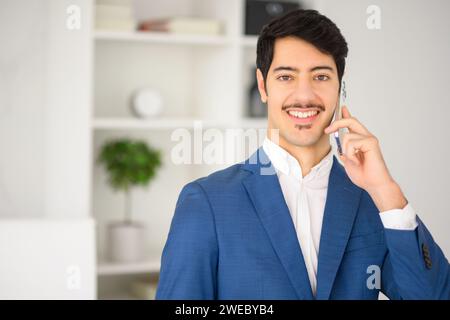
[(288, 68)]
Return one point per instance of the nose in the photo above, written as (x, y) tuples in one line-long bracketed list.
[(304, 92)]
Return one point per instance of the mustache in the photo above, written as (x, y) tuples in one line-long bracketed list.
[(303, 106)]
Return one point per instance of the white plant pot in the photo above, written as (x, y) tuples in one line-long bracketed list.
[(126, 242)]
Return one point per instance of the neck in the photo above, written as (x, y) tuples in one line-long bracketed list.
[(307, 156)]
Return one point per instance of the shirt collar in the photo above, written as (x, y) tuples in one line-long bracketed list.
[(284, 162)]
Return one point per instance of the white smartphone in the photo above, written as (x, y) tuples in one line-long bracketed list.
[(338, 115)]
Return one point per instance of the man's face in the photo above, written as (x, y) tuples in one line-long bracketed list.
[(300, 79)]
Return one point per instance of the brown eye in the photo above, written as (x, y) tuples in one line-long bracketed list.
[(322, 77), (284, 78)]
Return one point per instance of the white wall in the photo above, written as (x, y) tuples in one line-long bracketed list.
[(47, 242), (45, 85), (68, 111), (22, 94), (47, 259), (398, 88)]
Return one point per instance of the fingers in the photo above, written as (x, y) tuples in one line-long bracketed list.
[(349, 122), (357, 141), (349, 142), (345, 112), (355, 146), (347, 138)]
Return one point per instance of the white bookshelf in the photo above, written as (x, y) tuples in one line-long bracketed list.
[(106, 268), (172, 123), (201, 78), (161, 38), (176, 39)]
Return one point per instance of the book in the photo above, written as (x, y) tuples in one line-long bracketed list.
[(183, 25), (114, 25)]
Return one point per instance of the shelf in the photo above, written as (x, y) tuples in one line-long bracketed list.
[(161, 38), (125, 295), (205, 80), (172, 123), (156, 123), (118, 296), (111, 268)]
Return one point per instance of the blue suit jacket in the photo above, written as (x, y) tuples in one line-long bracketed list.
[(232, 237)]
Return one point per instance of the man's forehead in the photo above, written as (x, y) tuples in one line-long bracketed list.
[(299, 54), (321, 67)]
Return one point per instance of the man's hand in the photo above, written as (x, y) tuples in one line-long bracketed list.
[(364, 163)]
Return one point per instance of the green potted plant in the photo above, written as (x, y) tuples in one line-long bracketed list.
[(128, 163)]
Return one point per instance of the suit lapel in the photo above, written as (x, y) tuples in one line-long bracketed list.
[(339, 215), (266, 195)]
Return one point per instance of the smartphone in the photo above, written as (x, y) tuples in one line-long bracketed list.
[(338, 115)]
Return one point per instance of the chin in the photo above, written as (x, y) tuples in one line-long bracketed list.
[(307, 140), (300, 137)]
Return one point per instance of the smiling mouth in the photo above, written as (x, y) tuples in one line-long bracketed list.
[(303, 117)]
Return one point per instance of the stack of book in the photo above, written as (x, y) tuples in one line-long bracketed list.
[(183, 25), (114, 15)]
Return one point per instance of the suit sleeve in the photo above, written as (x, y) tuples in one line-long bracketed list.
[(189, 259), (415, 267)]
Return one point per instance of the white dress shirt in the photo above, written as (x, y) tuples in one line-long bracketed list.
[(306, 196)]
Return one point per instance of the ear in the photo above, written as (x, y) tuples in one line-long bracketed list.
[(261, 86)]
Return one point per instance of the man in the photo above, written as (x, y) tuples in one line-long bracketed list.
[(313, 229)]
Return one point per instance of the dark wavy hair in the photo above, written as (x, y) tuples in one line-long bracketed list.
[(308, 25)]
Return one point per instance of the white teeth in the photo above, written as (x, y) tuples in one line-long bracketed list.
[(299, 114)]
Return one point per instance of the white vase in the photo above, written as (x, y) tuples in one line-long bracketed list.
[(126, 242)]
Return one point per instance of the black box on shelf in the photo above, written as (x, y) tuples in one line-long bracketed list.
[(260, 12)]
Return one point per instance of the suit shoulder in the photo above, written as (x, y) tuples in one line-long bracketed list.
[(225, 179)]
